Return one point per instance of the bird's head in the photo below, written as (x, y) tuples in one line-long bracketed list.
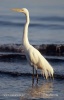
[(23, 10)]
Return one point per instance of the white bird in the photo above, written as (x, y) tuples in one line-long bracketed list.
[(34, 57)]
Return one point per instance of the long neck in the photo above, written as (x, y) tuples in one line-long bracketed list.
[(25, 32)]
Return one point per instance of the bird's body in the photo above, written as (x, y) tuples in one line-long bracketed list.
[(34, 57)]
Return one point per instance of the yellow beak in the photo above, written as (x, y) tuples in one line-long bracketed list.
[(17, 10)]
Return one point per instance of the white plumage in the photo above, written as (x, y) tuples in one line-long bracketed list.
[(39, 62), (34, 57)]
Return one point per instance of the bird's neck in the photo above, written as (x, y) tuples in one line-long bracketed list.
[(25, 33)]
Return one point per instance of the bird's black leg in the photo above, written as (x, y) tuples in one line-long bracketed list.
[(37, 76), (33, 77)]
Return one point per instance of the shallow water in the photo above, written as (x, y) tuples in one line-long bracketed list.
[(46, 27), (20, 87)]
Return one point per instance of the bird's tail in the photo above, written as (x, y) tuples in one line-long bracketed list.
[(48, 72)]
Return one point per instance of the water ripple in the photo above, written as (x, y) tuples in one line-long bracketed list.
[(40, 25), (36, 18)]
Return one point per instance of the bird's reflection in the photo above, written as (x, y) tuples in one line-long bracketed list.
[(42, 91)]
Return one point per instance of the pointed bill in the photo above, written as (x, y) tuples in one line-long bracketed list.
[(17, 10)]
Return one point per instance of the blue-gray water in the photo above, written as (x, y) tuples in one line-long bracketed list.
[(46, 27)]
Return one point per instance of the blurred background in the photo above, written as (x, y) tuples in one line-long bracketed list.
[(46, 21), (46, 27)]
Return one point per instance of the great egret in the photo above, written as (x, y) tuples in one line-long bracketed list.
[(34, 57)]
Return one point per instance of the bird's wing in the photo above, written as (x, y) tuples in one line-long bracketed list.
[(32, 56), (35, 58), (38, 61)]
